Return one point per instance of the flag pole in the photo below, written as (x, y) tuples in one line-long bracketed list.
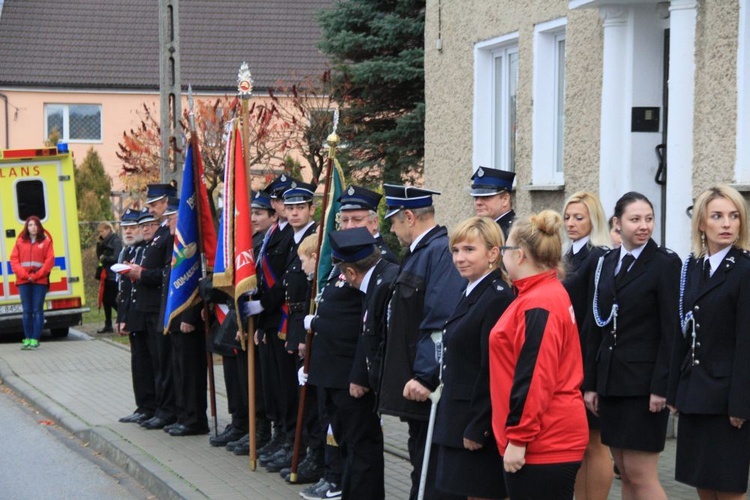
[(245, 89), (333, 140), (204, 271)]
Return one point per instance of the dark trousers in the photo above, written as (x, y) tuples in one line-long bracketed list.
[(237, 406), (416, 445), (357, 430), (109, 301), (242, 366), (142, 372), (189, 368), (161, 361), (552, 481), (279, 379)]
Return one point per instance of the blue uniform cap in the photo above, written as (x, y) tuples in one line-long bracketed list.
[(405, 197), (490, 181), (261, 199), (359, 198), (173, 205), (156, 192), (351, 245), (298, 193), (145, 216), (279, 185), (129, 218)]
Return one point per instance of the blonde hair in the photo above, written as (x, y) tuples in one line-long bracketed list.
[(105, 225), (599, 235), (309, 246), (480, 228), (700, 211), (541, 236)]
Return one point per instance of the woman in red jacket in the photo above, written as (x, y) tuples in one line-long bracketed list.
[(538, 415), (32, 260)]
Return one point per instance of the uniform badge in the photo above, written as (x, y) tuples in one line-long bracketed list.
[(350, 191), (731, 259), (379, 281), (283, 178), (293, 185), (480, 172)]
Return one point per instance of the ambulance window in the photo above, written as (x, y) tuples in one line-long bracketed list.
[(30, 196)]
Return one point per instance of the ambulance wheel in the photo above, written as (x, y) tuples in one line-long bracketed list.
[(58, 333)]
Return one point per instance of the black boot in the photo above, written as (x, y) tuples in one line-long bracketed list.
[(283, 457), (267, 451), (230, 433), (262, 433)]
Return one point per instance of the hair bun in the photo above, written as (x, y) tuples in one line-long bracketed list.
[(548, 222)]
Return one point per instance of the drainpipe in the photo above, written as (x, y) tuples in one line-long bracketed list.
[(7, 123)]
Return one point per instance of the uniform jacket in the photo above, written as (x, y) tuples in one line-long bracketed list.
[(426, 290), (385, 252), (579, 284), (298, 290), (272, 297), (37, 258), (505, 222), (636, 362), (125, 285), (717, 380), (374, 322), (464, 410), (107, 251), (147, 294), (536, 373), (336, 329)]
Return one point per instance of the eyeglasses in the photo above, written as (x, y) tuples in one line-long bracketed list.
[(504, 248)]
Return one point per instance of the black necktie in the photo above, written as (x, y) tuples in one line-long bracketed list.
[(706, 275), (624, 266)]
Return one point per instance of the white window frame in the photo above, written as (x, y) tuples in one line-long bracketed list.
[(547, 128), (742, 161), (65, 132), (487, 139)]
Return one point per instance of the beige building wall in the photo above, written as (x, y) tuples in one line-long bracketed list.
[(449, 95)]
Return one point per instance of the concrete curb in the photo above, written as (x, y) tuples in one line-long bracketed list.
[(118, 450)]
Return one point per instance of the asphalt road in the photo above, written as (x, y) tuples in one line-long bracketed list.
[(40, 460)]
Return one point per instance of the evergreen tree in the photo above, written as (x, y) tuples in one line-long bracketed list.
[(377, 51), (93, 187)]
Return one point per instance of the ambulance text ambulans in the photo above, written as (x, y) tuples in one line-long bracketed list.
[(41, 182)]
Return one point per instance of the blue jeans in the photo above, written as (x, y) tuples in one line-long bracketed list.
[(32, 301)]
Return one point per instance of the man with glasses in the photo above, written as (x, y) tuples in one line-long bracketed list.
[(359, 208), (491, 189)]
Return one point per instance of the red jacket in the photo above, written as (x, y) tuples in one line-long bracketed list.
[(32, 261), (536, 373)]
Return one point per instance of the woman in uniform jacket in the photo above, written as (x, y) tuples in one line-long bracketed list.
[(32, 260), (468, 460), (587, 239), (709, 382), (538, 417), (634, 309)]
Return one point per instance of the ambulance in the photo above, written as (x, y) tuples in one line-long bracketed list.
[(41, 182)]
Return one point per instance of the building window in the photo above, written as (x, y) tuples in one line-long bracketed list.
[(495, 90), (74, 122), (549, 103), (742, 165)]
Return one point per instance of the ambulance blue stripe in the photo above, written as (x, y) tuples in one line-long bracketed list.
[(59, 262)]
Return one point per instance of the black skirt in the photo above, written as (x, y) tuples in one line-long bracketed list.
[(471, 473), (711, 454), (626, 423)]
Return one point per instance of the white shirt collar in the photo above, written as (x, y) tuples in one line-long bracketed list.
[(636, 252), (473, 284), (366, 280), (299, 234), (419, 238), (578, 244), (283, 223), (717, 258), (502, 215)]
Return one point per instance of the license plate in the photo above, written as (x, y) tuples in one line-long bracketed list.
[(10, 309)]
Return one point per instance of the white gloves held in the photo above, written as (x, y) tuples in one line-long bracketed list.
[(301, 376)]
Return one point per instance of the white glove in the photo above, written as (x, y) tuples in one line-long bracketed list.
[(252, 308), (301, 376), (308, 321)]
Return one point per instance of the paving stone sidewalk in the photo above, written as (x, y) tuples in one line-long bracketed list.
[(84, 384)]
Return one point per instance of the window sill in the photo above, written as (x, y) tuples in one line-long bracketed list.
[(742, 188), (546, 187)]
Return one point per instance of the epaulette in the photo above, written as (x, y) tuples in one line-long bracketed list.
[(745, 253), (498, 285)]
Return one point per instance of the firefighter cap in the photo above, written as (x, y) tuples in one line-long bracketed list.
[(359, 198), (156, 192), (491, 181), (406, 197), (351, 245)]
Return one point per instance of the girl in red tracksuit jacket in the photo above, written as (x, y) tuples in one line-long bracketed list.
[(32, 260), (536, 370)]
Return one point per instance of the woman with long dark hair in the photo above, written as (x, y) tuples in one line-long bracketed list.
[(634, 308), (536, 370), (32, 260), (709, 383), (468, 461)]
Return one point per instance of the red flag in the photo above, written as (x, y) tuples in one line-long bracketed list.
[(244, 260), (204, 212)]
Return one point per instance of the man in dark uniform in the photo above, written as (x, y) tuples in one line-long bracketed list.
[(149, 275), (425, 292), (491, 189), (140, 358), (359, 208)]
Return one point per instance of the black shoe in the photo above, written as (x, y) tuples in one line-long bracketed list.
[(262, 433), (169, 427), (310, 469), (189, 430), (242, 449), (132, 418), (232, 444), (144, 417), (105, 329), (281, 459), (156, 423), (230, 434), (273, 445)]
